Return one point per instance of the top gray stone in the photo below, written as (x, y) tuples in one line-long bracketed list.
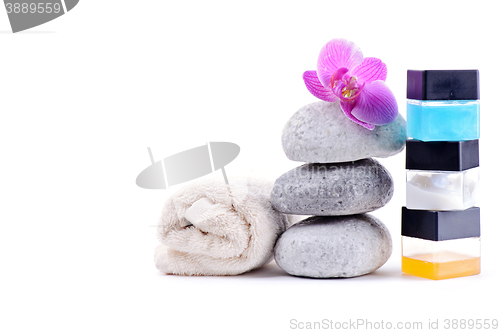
[(321, 133)]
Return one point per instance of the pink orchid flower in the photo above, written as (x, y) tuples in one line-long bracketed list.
[(343, 74)]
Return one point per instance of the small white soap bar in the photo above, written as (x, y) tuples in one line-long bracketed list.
[(195, 213)]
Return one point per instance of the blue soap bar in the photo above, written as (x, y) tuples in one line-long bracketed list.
[(442, 120)]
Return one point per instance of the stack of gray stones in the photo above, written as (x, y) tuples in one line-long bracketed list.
[(338, 185)]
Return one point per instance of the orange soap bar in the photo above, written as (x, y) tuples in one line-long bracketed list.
[(443, 265)]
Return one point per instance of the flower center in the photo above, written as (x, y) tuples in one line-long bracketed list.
[(351, 88), (344, 86)]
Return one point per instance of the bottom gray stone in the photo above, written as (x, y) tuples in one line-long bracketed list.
[(334, 246)]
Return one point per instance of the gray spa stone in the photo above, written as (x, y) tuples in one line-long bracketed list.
[(321, 133), (333, 188), (334, 246)]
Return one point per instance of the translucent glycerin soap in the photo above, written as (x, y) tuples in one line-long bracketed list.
[(442, 120), (442, 190), (439, 260), (440, 225)]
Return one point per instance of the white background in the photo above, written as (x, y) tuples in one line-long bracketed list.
[(82, 97)]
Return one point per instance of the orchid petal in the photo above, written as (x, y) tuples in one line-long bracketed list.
[(336, 54), (371, 69), (338, 89), (316, 88), (339, 74), (376, 104), (347, 108)]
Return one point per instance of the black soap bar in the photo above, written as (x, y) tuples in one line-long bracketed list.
[(440, 225), (442, 84), (442, 155)]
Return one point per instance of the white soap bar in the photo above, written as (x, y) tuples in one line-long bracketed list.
[(196, 213), (442, 190)]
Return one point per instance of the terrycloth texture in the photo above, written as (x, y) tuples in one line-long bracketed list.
[(211, 228)]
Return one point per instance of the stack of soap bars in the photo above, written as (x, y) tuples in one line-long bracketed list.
[(440, 223)]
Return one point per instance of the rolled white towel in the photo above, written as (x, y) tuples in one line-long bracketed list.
[(211, 228)]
